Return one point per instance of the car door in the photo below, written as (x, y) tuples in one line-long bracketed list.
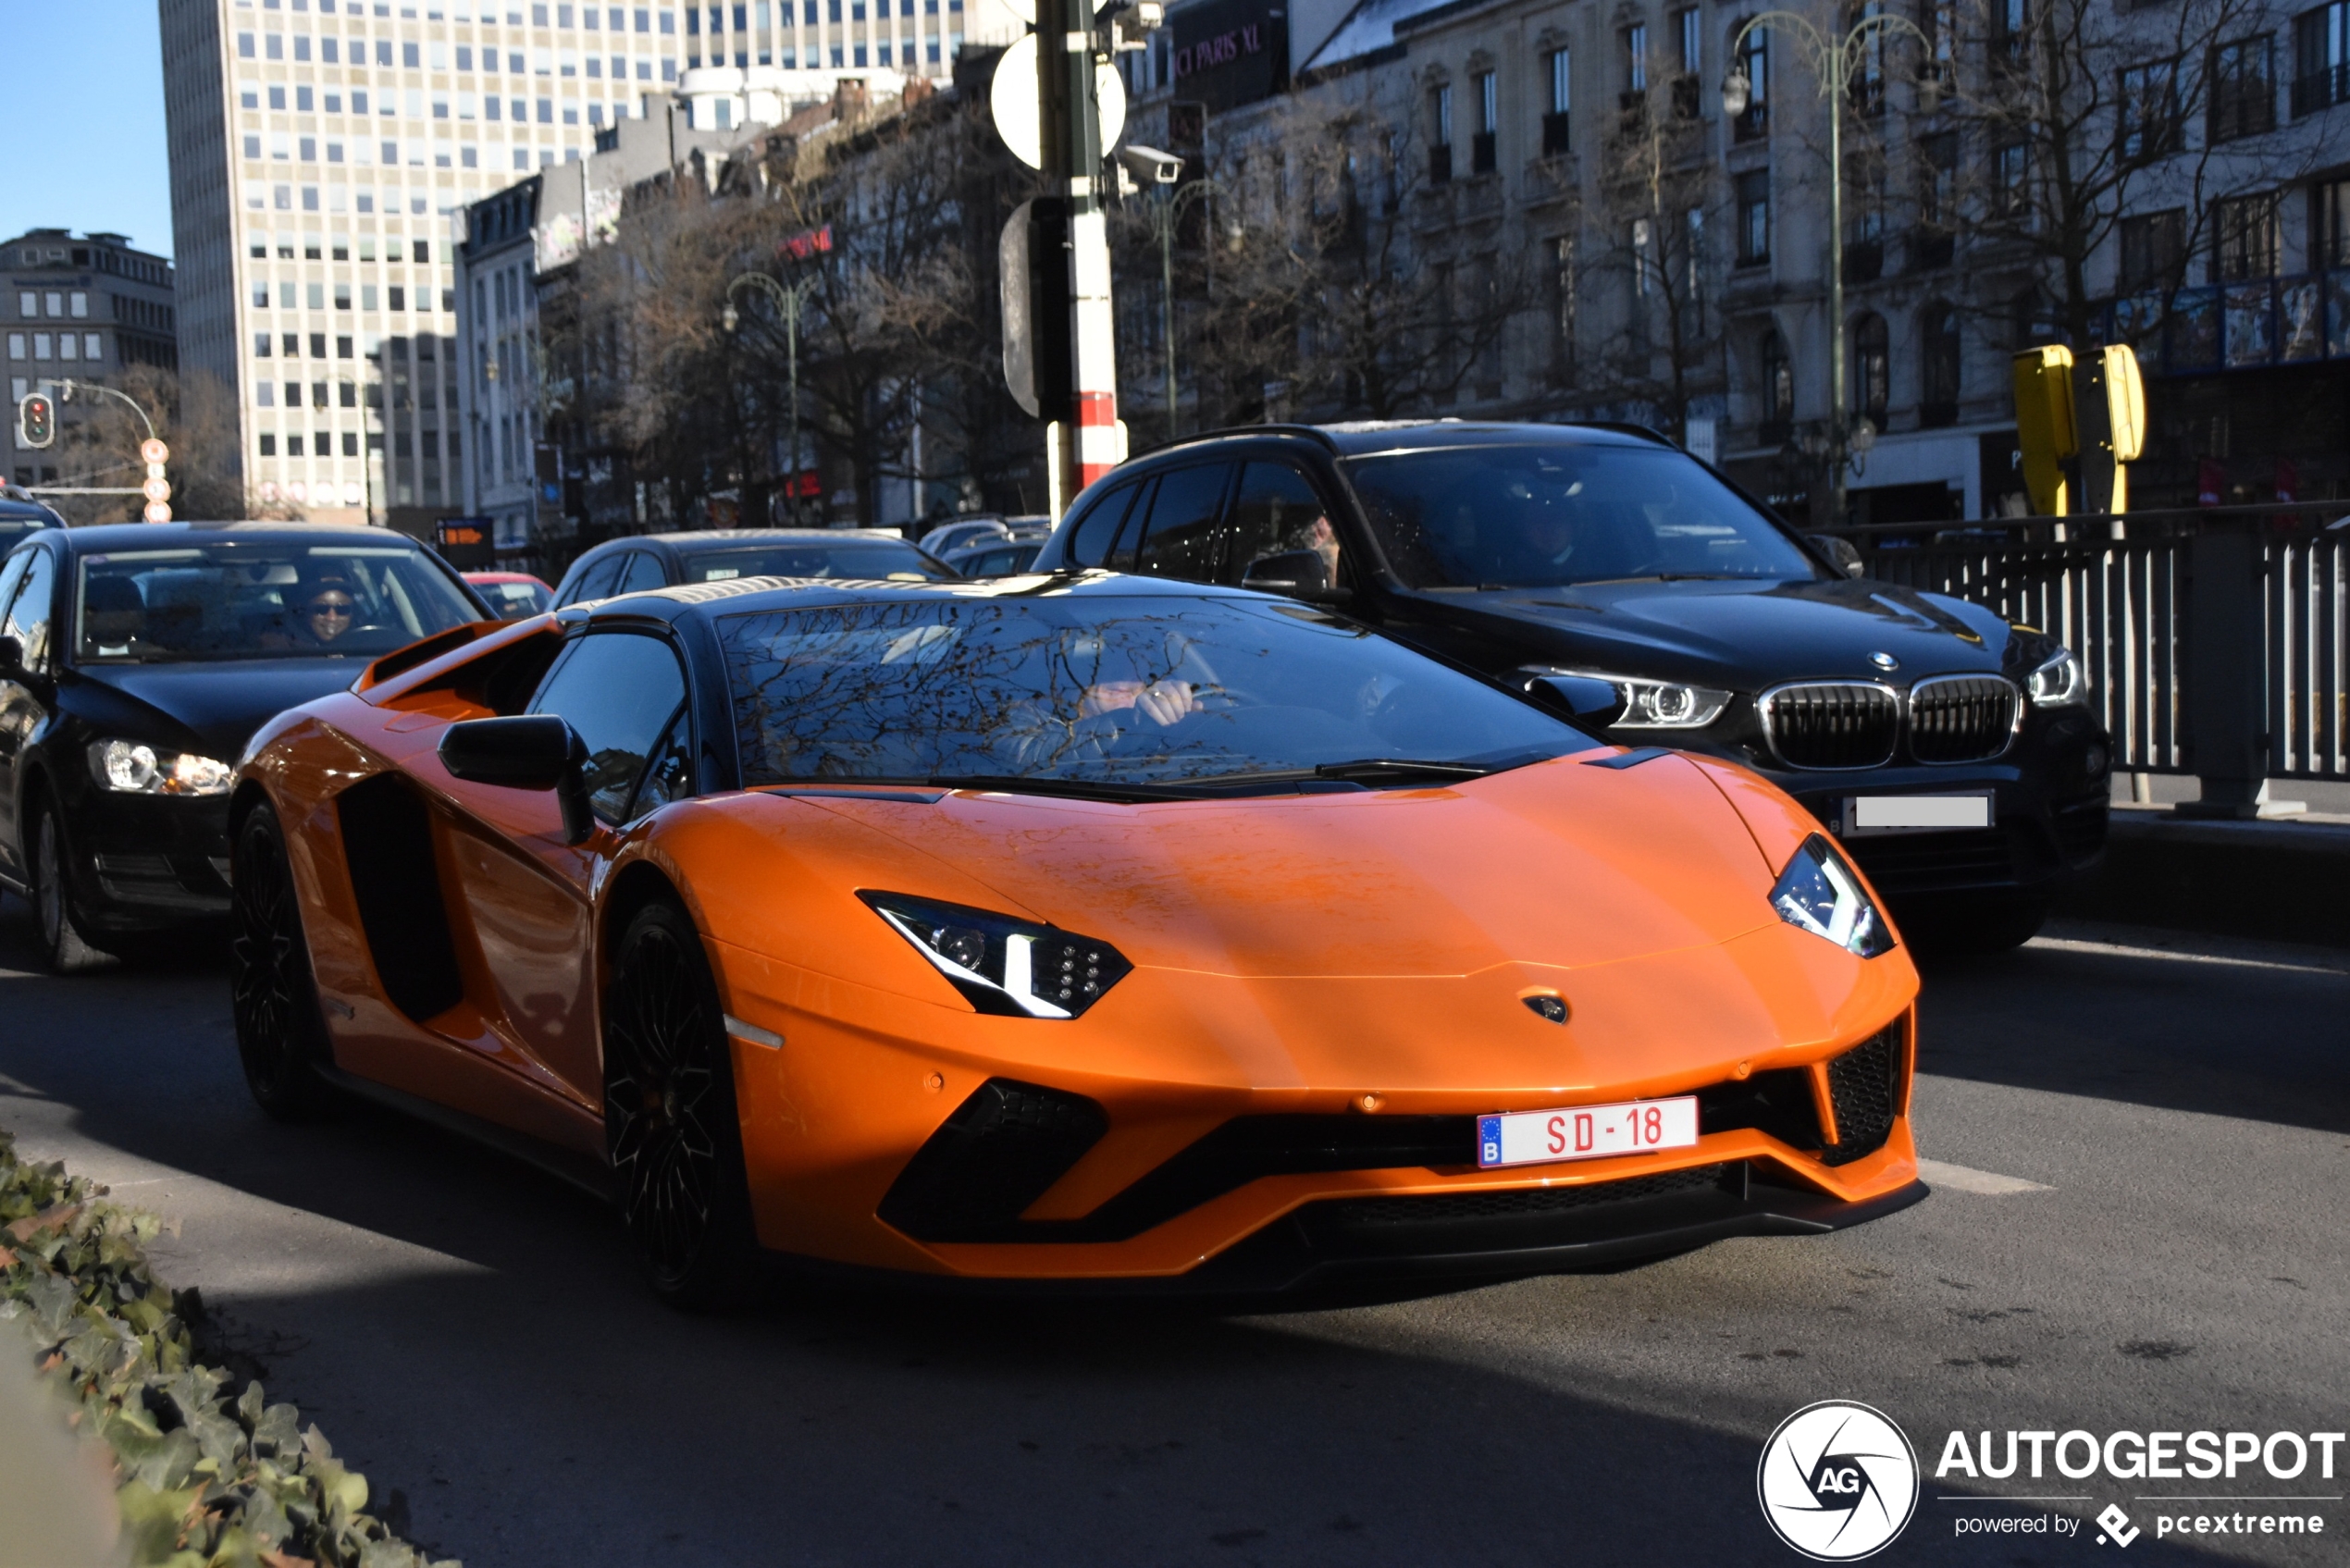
[(528, 893), (1278, 520), (25, 685), (643, 571), (1183, 536)]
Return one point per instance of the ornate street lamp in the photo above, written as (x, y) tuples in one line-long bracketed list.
[(1835, 61), (789, 299)]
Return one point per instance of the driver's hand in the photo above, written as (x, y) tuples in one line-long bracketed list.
[(1162, 702)]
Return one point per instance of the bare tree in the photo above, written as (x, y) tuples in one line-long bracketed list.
[(195, 417)]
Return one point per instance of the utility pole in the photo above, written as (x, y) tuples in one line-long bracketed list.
[(1085, 434)]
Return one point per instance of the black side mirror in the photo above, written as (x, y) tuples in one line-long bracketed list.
[(1303, 574), (537, 752), (1586, 699), (11, 654), (1842, 551)]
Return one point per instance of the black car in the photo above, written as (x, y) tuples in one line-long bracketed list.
[(1956, 756), (664, 561), (20, 517), (135, 662)]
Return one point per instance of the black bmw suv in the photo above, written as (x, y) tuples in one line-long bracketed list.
[(1956, 756)]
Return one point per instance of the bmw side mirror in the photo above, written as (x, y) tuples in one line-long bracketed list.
[(1584, 699), (1301, 574), (11, 654), (1842, 551), (539, 752)]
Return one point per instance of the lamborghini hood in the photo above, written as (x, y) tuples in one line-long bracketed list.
[(1563, 863)]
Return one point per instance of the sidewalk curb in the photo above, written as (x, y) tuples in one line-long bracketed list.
[(2282, 881)]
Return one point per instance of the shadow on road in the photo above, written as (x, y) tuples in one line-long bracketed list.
[(2257, 1038)]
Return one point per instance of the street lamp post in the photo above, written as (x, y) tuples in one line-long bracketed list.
[(1170, 202), (1834, 62), (789, 299)]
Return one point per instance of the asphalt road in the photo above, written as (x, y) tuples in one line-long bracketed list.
[(469, 1333)]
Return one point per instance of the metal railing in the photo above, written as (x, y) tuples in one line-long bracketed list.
[(2217, 643)]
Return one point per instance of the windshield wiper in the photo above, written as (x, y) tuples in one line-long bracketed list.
[(1075, 789), (1368, 768)]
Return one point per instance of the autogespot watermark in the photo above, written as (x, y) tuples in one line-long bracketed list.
[(1839, 1481)]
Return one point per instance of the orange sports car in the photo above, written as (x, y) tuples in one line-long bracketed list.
[(1080, 930)]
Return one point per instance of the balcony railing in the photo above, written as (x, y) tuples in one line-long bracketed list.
[(2320, 90), (1555, 141), (1863, 260), (1930, 248)]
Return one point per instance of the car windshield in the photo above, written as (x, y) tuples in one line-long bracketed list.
[(869, 560), (262, 600), (1547, 515), (1106, 691)]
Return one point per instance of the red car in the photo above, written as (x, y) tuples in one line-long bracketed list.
[(513, 594)]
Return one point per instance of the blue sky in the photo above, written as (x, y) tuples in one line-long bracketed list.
[(84, 109)]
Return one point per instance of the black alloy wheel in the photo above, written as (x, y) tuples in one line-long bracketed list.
[(281, 1036), (669, 1113), (64, 950)]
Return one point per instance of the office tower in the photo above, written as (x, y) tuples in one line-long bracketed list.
[(322, 154)]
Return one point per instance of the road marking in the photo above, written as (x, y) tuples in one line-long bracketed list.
[(2173, 955), (1983, 1181)]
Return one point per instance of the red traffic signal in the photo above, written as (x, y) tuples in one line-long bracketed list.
[(36, 420)]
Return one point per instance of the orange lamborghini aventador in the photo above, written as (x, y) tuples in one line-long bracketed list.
[(1081, 930)]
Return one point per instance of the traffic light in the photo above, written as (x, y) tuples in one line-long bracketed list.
[(2044, 425), (36, 420)]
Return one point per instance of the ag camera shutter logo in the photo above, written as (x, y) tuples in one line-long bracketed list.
[(1839, 1481)]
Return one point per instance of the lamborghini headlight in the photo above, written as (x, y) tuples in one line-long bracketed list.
[(1653, 704), (2058, 681), (130, 767), (1002, 965), (1819, 893)]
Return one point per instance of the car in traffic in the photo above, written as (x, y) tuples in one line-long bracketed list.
[(995, 558), (20, 514), (717, 555), (1955, 756), (1127, 937), (135, 662), (513, 594), (965, 532)]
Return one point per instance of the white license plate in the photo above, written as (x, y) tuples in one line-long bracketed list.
[(1586, 1132), (1916, 813)]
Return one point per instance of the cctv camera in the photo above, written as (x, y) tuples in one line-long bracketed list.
[(1151, 166)]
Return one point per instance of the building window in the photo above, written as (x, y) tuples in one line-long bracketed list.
[(1556, 142), (1565, 292), (1867, 80), (2012, 182), (1636, 58), (1440, 130), (1485, 150), (2330, 223), (1754, 217), (2244, 238), (1937, 170), (1938, 326), (2153, 246), (2146, 114), (1872, 368), (1778, 389), (2321, 58), (2243, 91)]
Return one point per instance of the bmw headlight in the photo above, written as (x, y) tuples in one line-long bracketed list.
[(1652, 704), (130, 767), (2058, 680), (1002, 965), (1819, 893)]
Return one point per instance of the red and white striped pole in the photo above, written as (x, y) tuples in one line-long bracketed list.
[(1084, 445)]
